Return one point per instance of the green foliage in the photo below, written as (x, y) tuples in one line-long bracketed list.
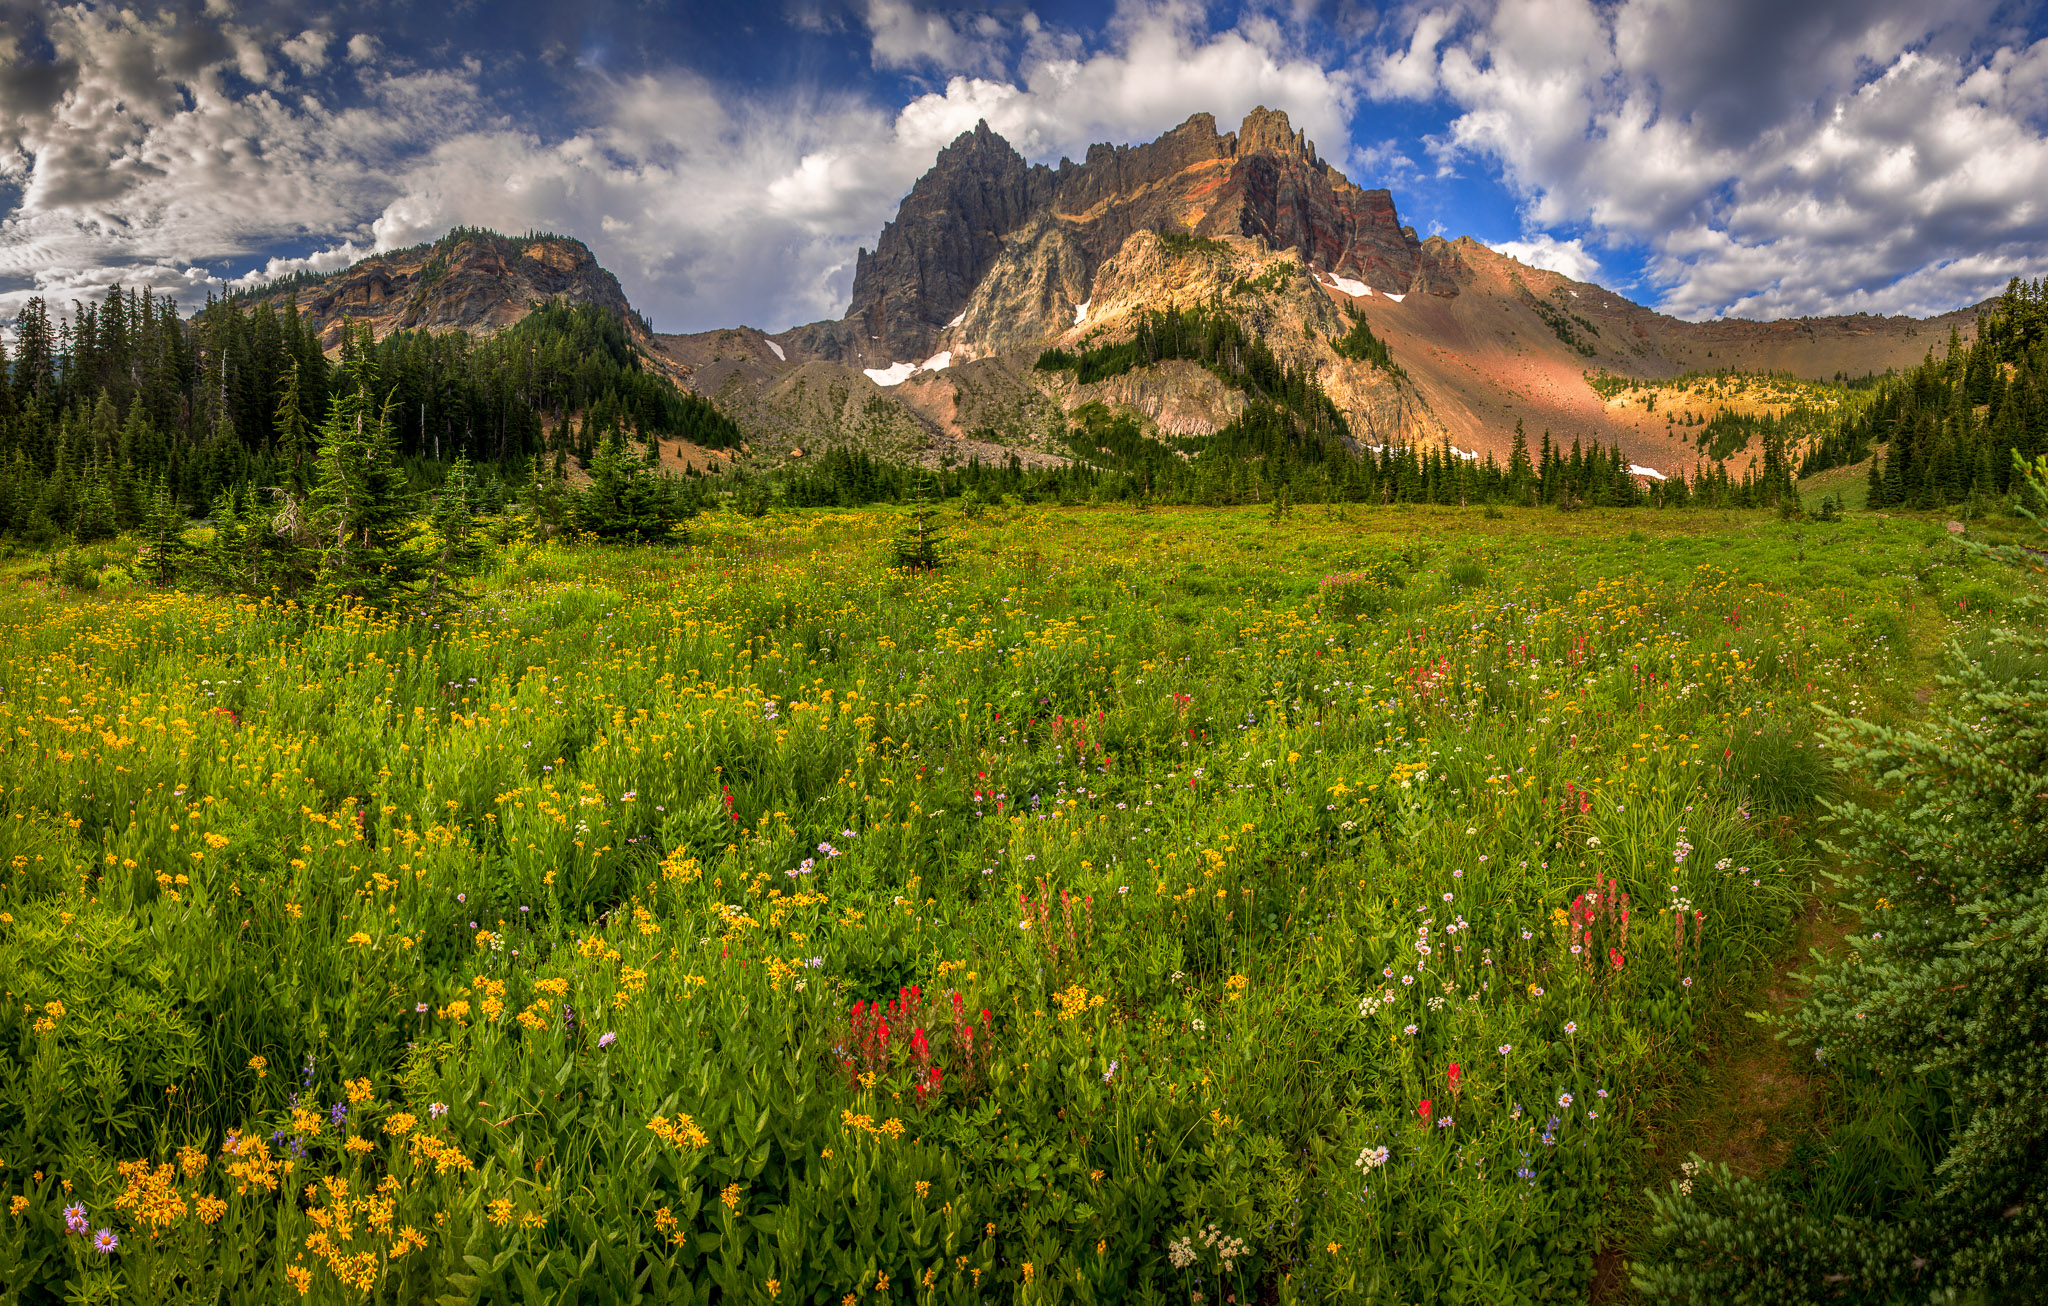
[(627, 501), (1564, 324), (1779, 762), (1467, 573), (233, 399), (753, 496), (920, 544), (1184, 243), (1931, 1014), (1365, 592), (361, 507), (1272, 281), (1732, 1240), (1955, 427), (1944, 981), (1361, 344), (458, 550), (546, 915)]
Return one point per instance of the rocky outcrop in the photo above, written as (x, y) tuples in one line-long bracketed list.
[(471, 281), (980, 199), (948, 232)]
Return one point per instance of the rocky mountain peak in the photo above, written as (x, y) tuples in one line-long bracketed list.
[(1267, 130), (1263, 181), (469, 280)]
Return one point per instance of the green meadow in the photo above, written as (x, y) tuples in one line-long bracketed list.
[(1187, 905)]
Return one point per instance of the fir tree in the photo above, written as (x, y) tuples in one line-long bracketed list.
[(93, 518), (294, 438), (361, 504), (625, 500), (163, 535), (1521, 472), (917, 546)]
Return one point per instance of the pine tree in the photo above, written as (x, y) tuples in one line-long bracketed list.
[(163, 534), (917, 546), (1520, 470), (294, 438), (1949, 989), (453, 520), (548, 500), (93, 516), (361, 503), (454, 524), (625, 500)]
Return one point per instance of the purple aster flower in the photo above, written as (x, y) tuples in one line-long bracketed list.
[(74, 1217), (104, 1242), (606, 1039)]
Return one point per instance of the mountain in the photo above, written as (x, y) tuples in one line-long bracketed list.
[(469, 280), (991, 260)]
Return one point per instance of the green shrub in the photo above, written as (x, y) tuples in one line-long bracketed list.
[(1884, 633), (1779, 764), (1730, 1241), (1367, 592)]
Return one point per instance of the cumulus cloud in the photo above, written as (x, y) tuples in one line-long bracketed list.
[(905, 36), (142, 154), (714, 209), (308, 50), (1543, 251), (1774, 159), (1860, 155)]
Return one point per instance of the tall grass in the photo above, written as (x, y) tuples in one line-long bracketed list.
[(546, 953)]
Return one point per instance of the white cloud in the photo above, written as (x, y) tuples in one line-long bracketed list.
[(1542, 251), (711, 207), (1866, 156), (308, 50), (140, 163), (714, 210), (904, 36), (1776, 160)]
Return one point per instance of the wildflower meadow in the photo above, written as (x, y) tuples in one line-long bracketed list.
[(1164, 906)]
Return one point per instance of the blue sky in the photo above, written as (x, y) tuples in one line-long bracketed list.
[(1746, 157)]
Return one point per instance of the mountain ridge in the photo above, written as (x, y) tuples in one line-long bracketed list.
[(1257, 220), (991, 260)]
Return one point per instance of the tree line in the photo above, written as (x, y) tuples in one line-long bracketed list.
[(1945, 431), (98, 412)]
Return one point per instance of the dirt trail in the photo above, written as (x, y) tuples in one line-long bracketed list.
[(1754, 1097)]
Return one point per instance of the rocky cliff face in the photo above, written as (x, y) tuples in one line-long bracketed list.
[(472, 281), (980, 199), (990, 260)]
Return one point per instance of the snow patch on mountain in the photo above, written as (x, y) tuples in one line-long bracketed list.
[(1345, 284), (894, 374), (778, 350), (1637, 469), (1081, 311)]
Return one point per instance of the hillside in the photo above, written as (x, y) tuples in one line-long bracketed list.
[(469, 280), (990, 260)]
